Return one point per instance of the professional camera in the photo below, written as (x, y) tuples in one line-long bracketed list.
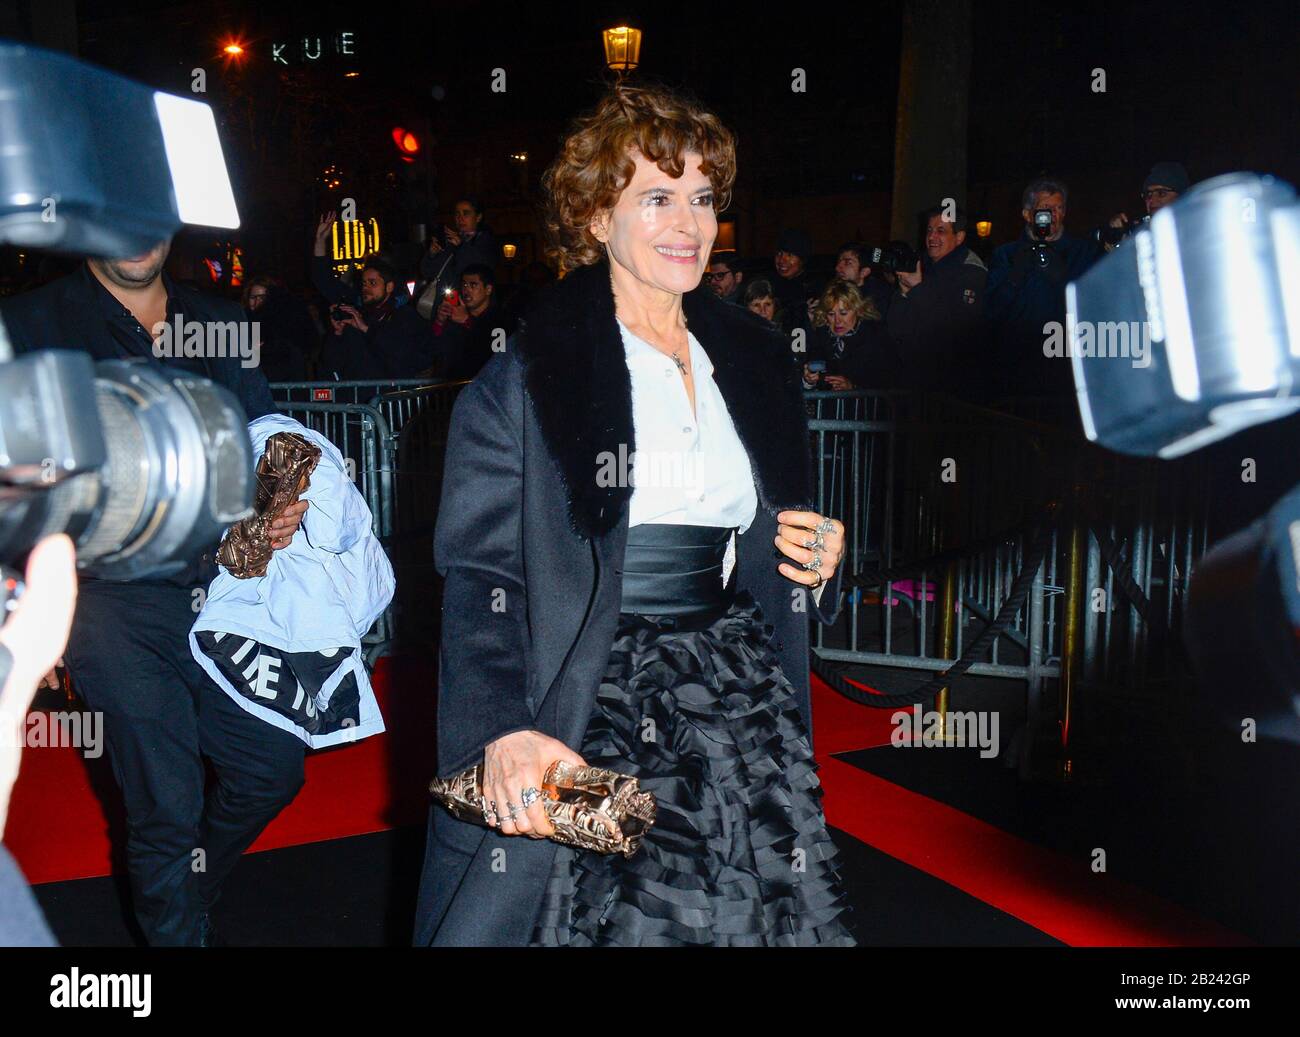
[(896, 256), (1109, 236), (1042, 224), (139, 464), (1212, 282), (1040, 228)]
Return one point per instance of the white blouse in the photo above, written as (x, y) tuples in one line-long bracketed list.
[(688, 468)]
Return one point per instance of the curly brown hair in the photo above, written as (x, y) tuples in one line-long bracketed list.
[(595, 161)]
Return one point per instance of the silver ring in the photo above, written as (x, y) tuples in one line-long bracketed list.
[(529, 796), (512, 811), (826, 526), (488, 815), (812, 542), (816, 562)]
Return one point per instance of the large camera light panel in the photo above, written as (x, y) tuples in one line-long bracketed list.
[(94, 163), (1210, 290)]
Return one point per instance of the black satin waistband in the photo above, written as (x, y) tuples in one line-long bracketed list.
[(676, 570)]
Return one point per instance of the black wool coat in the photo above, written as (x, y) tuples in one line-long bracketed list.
[(531, 547)]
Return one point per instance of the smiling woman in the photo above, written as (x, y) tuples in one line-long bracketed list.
[(656, 627), (599, 161)]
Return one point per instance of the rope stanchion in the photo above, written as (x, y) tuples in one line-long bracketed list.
[(1123, 578), (832, 671)]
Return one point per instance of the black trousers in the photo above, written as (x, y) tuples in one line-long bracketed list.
[(129, 658)]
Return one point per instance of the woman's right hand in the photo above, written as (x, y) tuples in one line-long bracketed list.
[(516, 762)]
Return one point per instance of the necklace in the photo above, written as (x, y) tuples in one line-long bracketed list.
[(677, 353)]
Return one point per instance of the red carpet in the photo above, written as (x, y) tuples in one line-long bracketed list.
[(1057, 894), (59, 829)]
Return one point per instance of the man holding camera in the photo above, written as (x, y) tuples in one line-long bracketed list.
[(1026, 293), (936, 315), (377, 341), (469, 325), (1163, 185), (129, 654)]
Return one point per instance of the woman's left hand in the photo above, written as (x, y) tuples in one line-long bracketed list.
[(798, 528)]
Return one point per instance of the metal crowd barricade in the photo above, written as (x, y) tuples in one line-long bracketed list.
[(942, 502), (342, 392), (395, 434), (419, 419)]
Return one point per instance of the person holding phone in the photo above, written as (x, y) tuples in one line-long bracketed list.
[(452, 250), (469, 326), (850, 348)]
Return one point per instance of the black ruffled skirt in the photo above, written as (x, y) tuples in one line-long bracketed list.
[(739, 854)]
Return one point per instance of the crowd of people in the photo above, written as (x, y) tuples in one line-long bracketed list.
[(943, 320), (887, 318), (368, 325)]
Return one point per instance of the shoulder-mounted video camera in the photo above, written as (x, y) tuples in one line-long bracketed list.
[(142, 465)]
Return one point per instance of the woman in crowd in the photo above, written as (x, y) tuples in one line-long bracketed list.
[(850, 339), (761, 299)]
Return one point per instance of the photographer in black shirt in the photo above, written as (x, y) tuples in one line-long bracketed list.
[(1026, 293)]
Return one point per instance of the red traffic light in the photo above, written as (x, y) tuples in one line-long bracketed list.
[(407, 142)]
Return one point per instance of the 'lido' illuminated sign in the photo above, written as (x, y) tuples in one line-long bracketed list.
[(354, 240)]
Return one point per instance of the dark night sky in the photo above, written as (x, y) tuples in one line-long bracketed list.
[(1211, 85)]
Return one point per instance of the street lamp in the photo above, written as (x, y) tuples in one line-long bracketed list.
[(622, 48)]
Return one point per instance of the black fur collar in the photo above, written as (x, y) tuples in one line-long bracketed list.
[(578, 380)]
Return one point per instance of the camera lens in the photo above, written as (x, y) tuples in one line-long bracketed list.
[(178, 471)]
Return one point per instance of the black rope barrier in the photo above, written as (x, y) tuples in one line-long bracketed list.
[(833, 671)]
